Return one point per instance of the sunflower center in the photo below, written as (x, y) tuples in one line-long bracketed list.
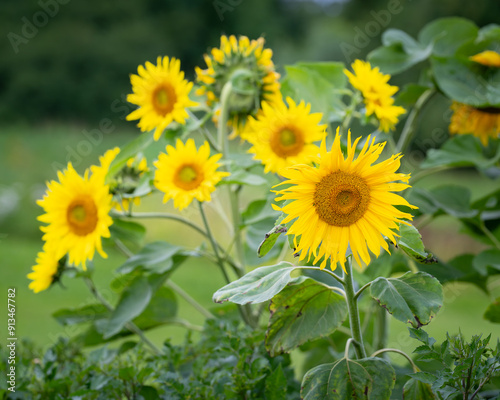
[(287, 142), (188, 177), (164, 98), (341, 198), (82, 216)]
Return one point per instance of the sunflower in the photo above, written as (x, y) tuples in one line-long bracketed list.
[(162, 94), (125, 181), (489, 58), (76, 211), (239, 58), (282, 136), (45, 271), (377, 93), (184, 173), (484, 123), (344, 201)]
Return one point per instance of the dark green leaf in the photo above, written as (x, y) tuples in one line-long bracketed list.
[(417, 390), (409, 94), (424, 377), (79, 315), (161, 309), (257, 286), (127, 230), (276, 385), (332, 72), (368, 378), (488, 259), (492, 313), (270, 239), (413, 298), (399, 52), (460, 151), (303, 311), (447, 34), (133, 301)]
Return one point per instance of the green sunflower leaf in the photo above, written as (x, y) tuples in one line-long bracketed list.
[(368, 378), (492, 313), (410, 241), (413, 297), (303, 311), (417, 390), (156, 257), (257, 286), (270, 240)]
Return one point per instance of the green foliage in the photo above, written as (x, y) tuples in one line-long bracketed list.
[(465, 367), (367, 378), (304, 310), (260, 285), (228, 362), (410, 241), (413, 298)]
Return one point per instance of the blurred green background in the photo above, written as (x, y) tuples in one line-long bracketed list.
[(64, 75)]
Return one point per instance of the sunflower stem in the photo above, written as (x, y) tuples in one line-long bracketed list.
[(202, 310), (129, 325), (352, 305), (211, 238), (414, 366), (409, 128)]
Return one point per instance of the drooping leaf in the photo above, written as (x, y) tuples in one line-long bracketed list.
[(257, 286), (417, 390), (410, 241), (460, 151), (487, 260), (368, 379), (127, 230), (303, 311), (133, 301), (88, 313), (413, 297), (492, 313), (155, 257), (270, 240), (161, 309)]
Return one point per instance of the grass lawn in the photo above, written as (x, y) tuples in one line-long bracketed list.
[(27, 161)]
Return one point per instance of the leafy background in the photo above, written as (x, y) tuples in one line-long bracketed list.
[(74, 73)]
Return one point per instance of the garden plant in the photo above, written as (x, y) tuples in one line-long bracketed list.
[(300, 186)]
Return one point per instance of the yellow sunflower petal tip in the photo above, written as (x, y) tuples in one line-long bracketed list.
[(488, 58)]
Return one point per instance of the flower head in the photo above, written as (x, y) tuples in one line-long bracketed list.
[(344, 202), (483, 123), (185, 173), (282, 136), (489, 58), (45, 271), (124, 183), (377, 93), (162, 94), (77, 213), (245, 62)]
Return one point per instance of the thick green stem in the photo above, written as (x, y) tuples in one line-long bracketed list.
[(352, 305), (381, 331), (410, 124), (129, 325)]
